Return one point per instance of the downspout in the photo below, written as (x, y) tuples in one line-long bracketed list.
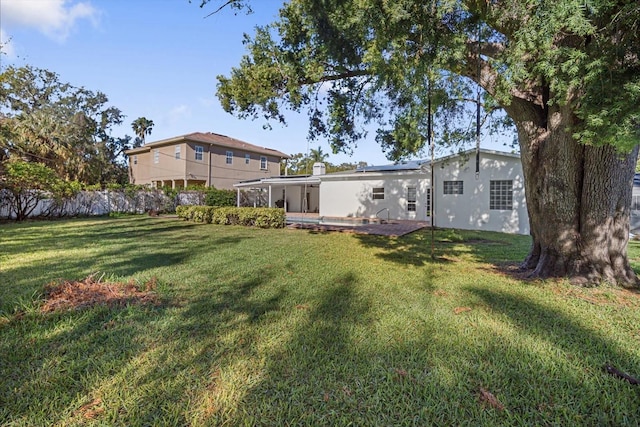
[(209, 173)]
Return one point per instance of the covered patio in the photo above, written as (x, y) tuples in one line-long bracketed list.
[(294, 193)]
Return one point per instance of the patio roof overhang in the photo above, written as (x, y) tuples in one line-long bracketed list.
[(279, 181)]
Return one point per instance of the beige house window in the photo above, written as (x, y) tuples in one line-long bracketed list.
[(156, 155), (247, 158), (229, 157), (135, 159), (199, 151), (178, 150), (263, 163)]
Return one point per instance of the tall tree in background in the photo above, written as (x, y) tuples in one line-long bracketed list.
[(317, 155), (302, 164), (566, 72), (61, 126), (142, 127)]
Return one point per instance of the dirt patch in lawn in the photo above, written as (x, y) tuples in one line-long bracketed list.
[(90, 292)]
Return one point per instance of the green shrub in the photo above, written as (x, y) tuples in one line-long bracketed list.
[(215, 197), (183, 211), (248, 217), (201, 214), (269, 217)]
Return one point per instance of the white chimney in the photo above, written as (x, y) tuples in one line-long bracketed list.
[(319, 168)]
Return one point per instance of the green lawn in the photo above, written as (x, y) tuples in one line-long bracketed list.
[(289, 327)]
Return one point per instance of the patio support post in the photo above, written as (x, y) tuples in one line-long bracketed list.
[(270, 196), (238, 198)]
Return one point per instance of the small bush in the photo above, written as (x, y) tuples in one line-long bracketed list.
[(183, 211), (215, 197)]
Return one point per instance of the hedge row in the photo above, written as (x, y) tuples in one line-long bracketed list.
[(251, 217)]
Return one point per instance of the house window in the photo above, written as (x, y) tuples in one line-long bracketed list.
[(501, 195), (263, 163), (428, 201), (177, 151), (411, 199), (156, 155), (453, 187), (135, 160), (378, 193), (229, 157), (199, 151), (247, 158)]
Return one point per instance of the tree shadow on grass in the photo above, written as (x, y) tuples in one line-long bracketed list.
[(579, 373), (114, 254), (334, 368), (129, 366), (84, 231), (50, 375), (448, 246)]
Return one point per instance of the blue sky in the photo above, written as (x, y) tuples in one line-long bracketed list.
[(155, 58)]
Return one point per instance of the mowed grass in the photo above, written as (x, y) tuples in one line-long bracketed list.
[(290, 327)]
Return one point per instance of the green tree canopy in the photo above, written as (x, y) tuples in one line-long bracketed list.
[(64, 127), (302, 164), (350, 63)]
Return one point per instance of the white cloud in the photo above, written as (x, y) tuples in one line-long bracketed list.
[(54, 18), (178, 114)]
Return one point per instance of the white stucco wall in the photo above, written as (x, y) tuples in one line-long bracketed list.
[(470, 210), (352, 195), (343, 195)]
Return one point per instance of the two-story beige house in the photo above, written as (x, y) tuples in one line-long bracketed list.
[(208, 159)]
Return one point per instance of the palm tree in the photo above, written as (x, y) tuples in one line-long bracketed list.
[(142, 126), (317, 155)]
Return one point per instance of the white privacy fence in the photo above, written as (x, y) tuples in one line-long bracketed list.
[(94, 203)]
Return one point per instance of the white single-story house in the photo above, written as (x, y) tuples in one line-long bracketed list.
[(483, 192)]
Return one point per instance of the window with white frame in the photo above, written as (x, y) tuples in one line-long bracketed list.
[(135, 159), (378, 193), (411, 199), (247, 159), (178, 151), (263, 163), (156, 155), (229, 157), (501, 195), (453, 187), (199, 151)]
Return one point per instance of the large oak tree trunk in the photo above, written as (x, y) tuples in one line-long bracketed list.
[(578, 199)]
